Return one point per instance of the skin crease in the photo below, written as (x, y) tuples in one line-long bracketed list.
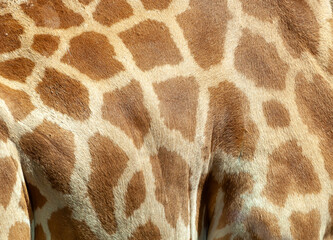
[(198, 119)]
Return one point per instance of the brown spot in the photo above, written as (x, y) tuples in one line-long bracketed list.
[(264, 67), (233, 186), (51, 150), (109, 12), (37, 199), (289, 171), (124, 108), (152, 4), (172, 185), (8, 170), (225, 237), (52, 14), (45, 44), (85, 2), (178, 104), (25, 203), (39, 233), (19, 231), (147, 231), (10, 31), (229, 126), (17, 69), (92, 54), (108, 164), (63, 225), (4, 132), (205, 26), (276, 114), (64, 94), (329, 229), (262, 225), (314, 101), (151, 45), (136, 193), (17, 101), (291, 16), (305, 226)]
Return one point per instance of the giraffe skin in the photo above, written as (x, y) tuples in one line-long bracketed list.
[(170, 119)]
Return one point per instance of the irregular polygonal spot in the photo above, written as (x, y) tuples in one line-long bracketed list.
[(262, 225), (229, 126), (172, 182), (64, 94), (136, 193), (152, 4), (305, 226), (92, 54), (108, 164), (4, 133), (147, 231), (291, 16), (63, 226), (289, 171), (314, 101), (205, 25), (276, 114), (10, 31), (20, 230), (37, 199), (151, 45), (45, 44), (39, 233), (233, 186), (119, 10), (8, 170), (263, 66), (124, 108), (52, 14), (17, 69), (51, 150), (17, 101), (178, 104)]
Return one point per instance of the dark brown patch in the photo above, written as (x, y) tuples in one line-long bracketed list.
[(8, 171), (225, 237), (51, 150), (233, 186), (39, 233), (92, 54), (64, 94), (37, 199), (51, 14), (147, 231), (305, 226), (276, 114), (17, 101), (314, 101), (4, 132), (10, 31), (172, 185), (45, 44), (152, 4), (25, 203), (229, 126), (291, 16), (63, 226), (136, 193), (109, 12), (151, 45), (124, 108), (108, 164), (85, 2), (205, 26), (19, 231), (262, 225), (17, 69), (178, 104), (289, 171), (260, 62)]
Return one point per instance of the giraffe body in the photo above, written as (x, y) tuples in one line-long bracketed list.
[(166, 119)]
